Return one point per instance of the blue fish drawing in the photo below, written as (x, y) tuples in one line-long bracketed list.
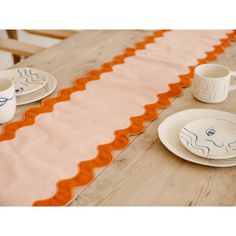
[(213, 141)]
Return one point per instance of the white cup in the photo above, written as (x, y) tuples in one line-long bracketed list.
[(7, 100), (211, 83)]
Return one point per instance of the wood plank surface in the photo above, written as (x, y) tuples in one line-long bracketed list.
[(19, 48), (12, 34), (145, 173), (58, 34)]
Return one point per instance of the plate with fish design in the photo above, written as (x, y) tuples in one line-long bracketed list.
[(210, 138), (26, 80), (169, 130)]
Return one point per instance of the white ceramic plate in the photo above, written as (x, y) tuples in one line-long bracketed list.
[(39, 94), (26, 80), (170, 128), (210, 138)]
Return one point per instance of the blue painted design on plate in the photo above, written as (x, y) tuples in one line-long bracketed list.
[(210, 131), (193, 141)]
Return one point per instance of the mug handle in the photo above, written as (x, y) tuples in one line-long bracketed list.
[(233, 87)]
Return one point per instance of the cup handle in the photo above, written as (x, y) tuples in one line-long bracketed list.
[(233, 87)]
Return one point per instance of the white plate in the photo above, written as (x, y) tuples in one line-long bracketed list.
[(39, 94), (169, 130), (26, 80), (210, 138)]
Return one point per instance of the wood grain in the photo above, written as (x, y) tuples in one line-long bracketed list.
[(12, 34), (19, 48), (58, 34), (145, 173)]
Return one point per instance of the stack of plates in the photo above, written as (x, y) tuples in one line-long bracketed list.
[(202, 136), (30, 84)]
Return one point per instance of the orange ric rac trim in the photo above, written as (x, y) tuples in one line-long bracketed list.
[(85, 173), (86, 168)]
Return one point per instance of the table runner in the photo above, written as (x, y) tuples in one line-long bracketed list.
[(58, 146)]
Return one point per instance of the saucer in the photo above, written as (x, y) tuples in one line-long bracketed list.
[(39, 94), (26, 80), (169, 130), (210, 138)]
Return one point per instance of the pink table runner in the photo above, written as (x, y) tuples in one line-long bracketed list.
[(45, 161)]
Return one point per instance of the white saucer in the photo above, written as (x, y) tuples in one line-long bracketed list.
[(210, 138), (39, 94), (26, 80), (169, 130)]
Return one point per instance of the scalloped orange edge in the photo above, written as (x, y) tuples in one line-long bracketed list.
[(85, 175)]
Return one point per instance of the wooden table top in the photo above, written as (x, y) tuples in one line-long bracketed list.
[(145, 173)]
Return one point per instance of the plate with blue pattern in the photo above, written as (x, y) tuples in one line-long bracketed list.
[(169, 132), (26, 80), (210, 138)]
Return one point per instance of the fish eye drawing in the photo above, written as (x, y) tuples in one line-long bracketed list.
[(210, 131), (19, 90)]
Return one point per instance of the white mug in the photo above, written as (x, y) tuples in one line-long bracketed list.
[(7, 100), (211, 83)]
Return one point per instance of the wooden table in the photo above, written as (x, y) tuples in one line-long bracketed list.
[(145, 173)]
